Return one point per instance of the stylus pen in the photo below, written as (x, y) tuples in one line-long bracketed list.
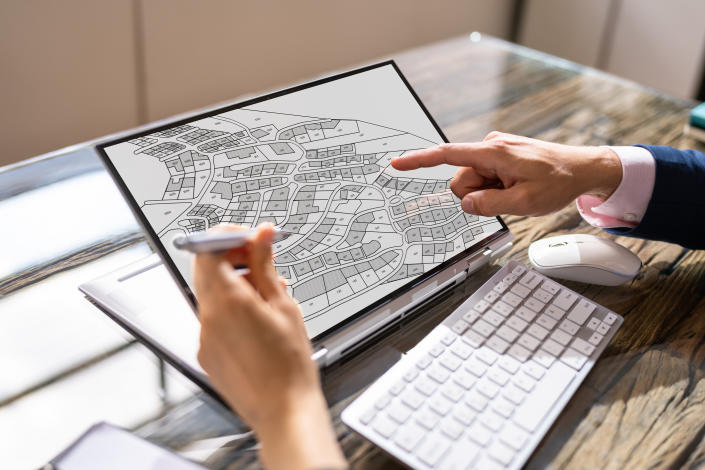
[(208, 242)]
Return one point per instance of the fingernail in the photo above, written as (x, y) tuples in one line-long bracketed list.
[(466, 204)]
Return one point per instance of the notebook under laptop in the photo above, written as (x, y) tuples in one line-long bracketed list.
[(370, 243)]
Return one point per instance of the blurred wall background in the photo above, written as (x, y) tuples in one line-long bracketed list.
[(78, 69)]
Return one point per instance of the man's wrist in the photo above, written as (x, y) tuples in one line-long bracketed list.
[(603, 171)]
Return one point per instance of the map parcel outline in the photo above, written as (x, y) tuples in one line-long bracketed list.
[(361, 230)]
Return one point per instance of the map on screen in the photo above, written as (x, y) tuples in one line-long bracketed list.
[(315, 162)]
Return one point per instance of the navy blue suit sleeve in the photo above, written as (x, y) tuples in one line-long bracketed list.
[(676, 210)]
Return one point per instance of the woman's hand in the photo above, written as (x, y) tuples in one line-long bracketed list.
[(256, 352), (509, 174)]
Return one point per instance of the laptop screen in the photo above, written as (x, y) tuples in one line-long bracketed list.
[(313, 160)]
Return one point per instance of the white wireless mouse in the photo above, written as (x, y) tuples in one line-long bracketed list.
[(584, 258)]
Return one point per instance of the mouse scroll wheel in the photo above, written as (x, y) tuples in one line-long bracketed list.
[(551, 245)]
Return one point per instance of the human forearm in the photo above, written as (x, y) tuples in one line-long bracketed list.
[(302, 438)]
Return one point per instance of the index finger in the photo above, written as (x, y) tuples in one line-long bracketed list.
[(468, 154)]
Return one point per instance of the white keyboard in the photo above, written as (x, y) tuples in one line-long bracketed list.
[(483, 388)]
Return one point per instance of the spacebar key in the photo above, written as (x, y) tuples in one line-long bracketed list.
[(543, 397)]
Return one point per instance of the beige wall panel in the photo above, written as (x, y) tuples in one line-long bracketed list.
[(660, 44), (567, 28), (199, 53), (67, 73)]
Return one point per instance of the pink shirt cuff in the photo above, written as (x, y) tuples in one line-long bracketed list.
[(627, 205)]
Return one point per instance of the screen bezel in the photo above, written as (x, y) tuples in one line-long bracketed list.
[(156, 243)]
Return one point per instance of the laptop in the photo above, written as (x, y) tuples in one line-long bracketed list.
[(369, 244)]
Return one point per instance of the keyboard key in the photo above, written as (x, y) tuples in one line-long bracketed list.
[(524, 382), (610, 318), (409, 436), (486, 355), (574, 359), (487, 388), (502, 308), (411, 374), (463, 415), (437, 350), (500, 287), (480, 435), (476, 401), (546, 321), (491, 296), (603, 329), (561, 337), (397, 388), (450, 361), (550, 287), (471, 315), (520, 290), (497, 344), (581, 312), (525, 314), (438, 374), (493, 318), (510, 278), (453, 392), (449, 338), (530, 414), (462, 350), (460, 326), (534, 370), (440, 405), (565, 299), (432, 449), (593, 323), (399, 413), (513, 394), (569, 327), (427, 418), (473, 338), (498, 377), (476, 368), (552, 347), (460, 458), (368, 416), (519, 270), (544, 358), (503, 408), (537, 331), (507, 334), (464, 379), (530, 280), (583, 346), (486, 463), (412, 399), (533, 304), (513, 437), (595, 339), (484, 328), (517, 323), (452, 428), (555, 312), (511, 299), (520, 353), (481, 306), (543, 296), (384, 426), (492, 421), (383, 401), (528, 341), (424, 362), (425, 386), (508, 364), (501, 453)]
